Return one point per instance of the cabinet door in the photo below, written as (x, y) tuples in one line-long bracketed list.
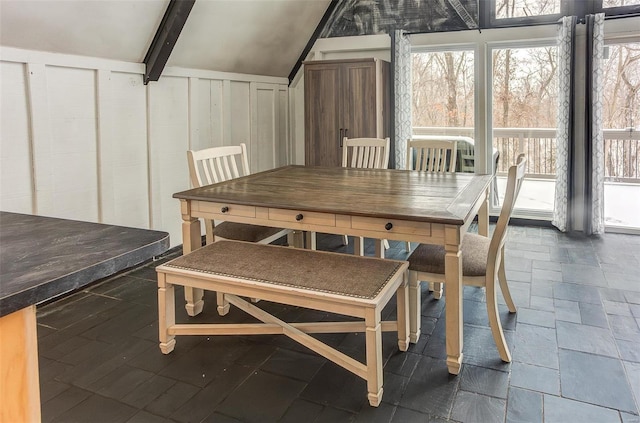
[(322, 114), (360, 114)]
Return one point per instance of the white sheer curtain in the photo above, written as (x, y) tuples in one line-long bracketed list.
[(594, 198), (402, 96), (566, 36)]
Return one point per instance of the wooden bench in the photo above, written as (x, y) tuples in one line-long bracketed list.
[(337, 283)]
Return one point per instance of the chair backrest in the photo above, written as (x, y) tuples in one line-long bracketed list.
[(432, 155), (514, 183), (369, 153), (217, 164)]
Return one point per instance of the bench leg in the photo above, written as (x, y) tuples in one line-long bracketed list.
[(223, 304), (374, 356), (166, 314), (402, 295), (194, 298), (414, 307)]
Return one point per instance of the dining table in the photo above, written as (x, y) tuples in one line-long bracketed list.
[(401, 205)]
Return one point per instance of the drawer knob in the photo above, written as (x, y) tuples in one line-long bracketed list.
[(224, 209), (388, 226), (299, 217)]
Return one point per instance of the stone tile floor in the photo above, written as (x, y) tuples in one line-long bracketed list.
[(575, 342)]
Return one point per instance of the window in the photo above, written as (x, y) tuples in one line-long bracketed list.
[(443, 89), (526, 8), (621, 128), (443, 99), (524, 106), (619, 3)]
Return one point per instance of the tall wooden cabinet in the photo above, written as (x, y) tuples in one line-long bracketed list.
[(343, 98)]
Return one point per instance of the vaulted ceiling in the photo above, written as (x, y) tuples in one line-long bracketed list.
[(262, 37)]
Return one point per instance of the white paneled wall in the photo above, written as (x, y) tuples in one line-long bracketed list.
[(16, 178), (83, 138)]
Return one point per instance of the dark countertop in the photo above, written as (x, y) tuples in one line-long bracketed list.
[(43, 257)]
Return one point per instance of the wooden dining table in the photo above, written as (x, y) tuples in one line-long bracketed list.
[(374, 203)]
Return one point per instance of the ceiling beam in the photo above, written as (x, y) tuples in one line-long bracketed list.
[(166, 37), (312, 40)]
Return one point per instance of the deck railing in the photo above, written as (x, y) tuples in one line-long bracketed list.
[(621, 150)]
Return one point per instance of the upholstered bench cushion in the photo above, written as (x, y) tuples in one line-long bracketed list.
[(342, 274), (244, 232), (430, 258)]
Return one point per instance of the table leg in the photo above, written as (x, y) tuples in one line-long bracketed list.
[(19, 379), (191, 241), (453, 307)]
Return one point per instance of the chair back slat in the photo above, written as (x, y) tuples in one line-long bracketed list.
[(431, 155), (365, 153), (217, 164)]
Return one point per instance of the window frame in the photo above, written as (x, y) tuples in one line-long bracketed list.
[(579, 8)]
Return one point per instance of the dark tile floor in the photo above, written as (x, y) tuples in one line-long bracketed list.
[(575, 343)]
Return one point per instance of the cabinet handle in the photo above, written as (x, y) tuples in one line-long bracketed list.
[(299, 217), (388, 226), (224, 209)]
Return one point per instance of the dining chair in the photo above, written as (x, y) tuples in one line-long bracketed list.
[(218, 164), (482, 261), (365, 153), (431, 155)]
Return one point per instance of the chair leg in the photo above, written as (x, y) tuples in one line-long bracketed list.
[(379, 247), (345, 240), (436, 289), (386, 244), (504, 287), (414, 307), (407, 246), (208, 226), (358, 246), (494, 321), (310, 240)]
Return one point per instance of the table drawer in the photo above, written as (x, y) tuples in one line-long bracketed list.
[(227, 209), (311, 218), (391, 226)]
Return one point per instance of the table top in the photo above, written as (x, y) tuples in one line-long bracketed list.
[(380, 193), (42, 258)]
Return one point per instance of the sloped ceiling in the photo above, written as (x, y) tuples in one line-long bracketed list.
[(262, 37), (244, 36), (111, 29)]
